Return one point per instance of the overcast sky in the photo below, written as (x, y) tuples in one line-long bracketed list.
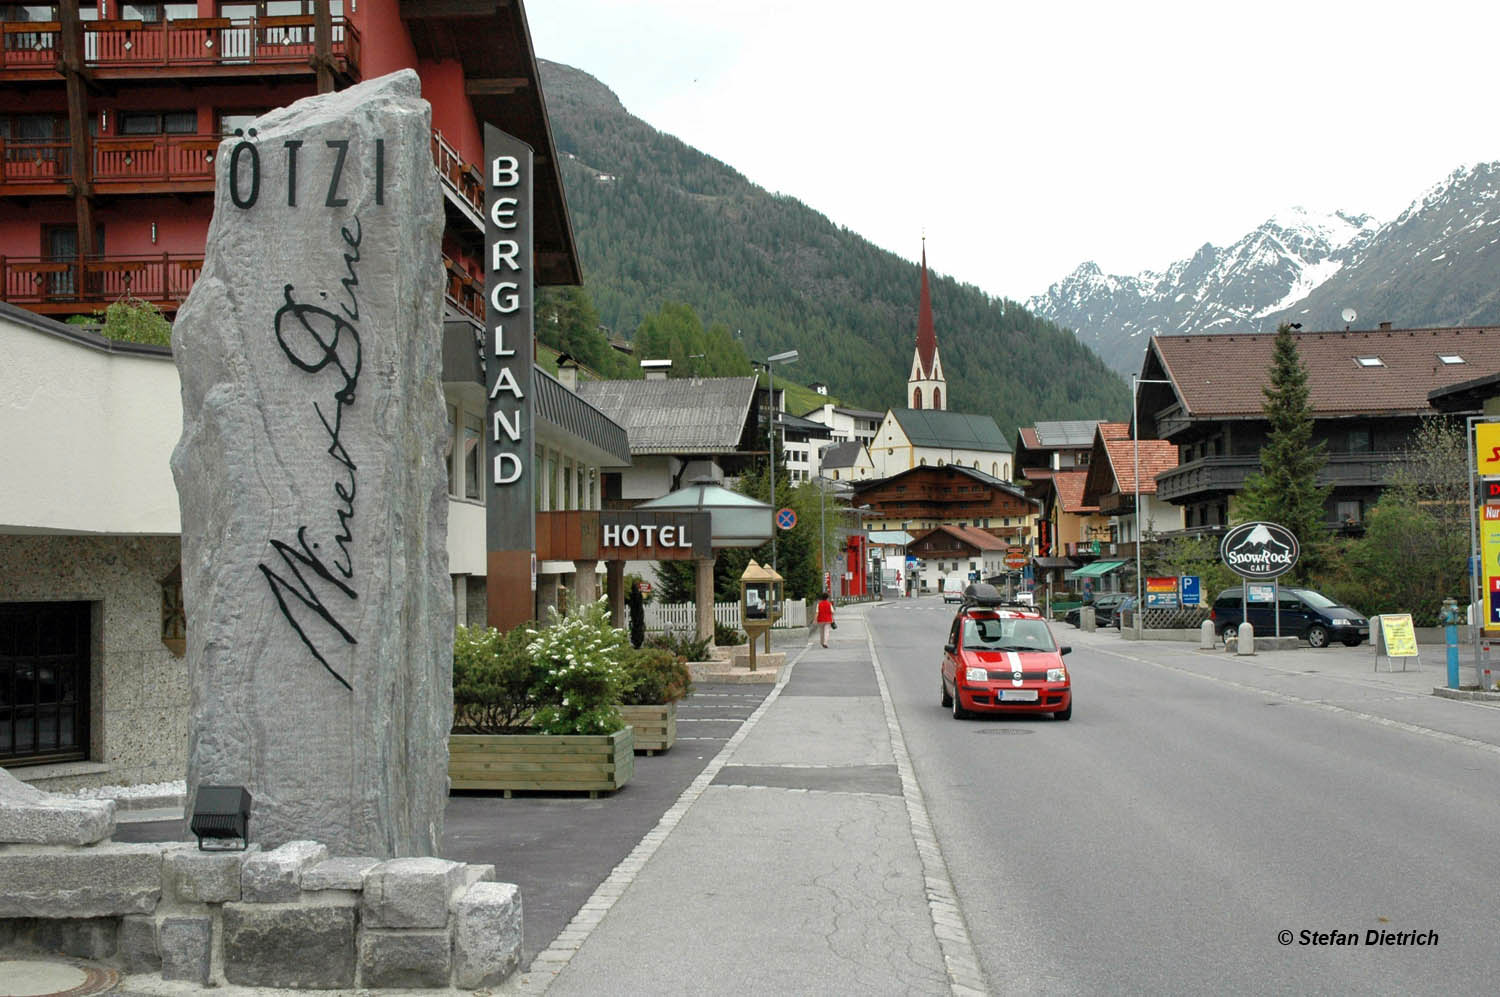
[(1025, 138)]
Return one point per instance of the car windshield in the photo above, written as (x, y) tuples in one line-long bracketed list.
[(1316, 600), (994, 634)]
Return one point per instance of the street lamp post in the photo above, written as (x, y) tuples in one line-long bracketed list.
[(1135, 436), (823, 535), (790, 356)]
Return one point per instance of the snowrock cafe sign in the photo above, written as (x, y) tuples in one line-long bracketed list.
[(1259, 550)]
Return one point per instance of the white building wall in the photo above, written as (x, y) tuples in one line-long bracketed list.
[(86, 437)]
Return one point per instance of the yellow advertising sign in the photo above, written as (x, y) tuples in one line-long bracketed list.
[(1487, 449), (1489, 560), (1399, 634)]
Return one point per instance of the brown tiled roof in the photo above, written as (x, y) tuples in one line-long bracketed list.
[(1114, 430), (1069, 485), (971, 535), (1028, 438), (1221, 376), (1156, 456)]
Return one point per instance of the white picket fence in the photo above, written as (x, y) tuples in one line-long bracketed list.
[(684, 615)]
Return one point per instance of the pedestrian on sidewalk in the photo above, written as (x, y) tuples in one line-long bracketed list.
[(825, 618)]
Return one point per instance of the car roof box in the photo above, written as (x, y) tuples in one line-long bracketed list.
[(980, 594)]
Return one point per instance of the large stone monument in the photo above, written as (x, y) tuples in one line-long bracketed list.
[(311, 474)]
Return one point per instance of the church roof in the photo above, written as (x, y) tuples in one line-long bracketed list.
[(926, 336), (956, 430), (843, 454)]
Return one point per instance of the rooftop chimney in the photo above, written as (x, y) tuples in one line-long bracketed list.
[(1386, 326), (567, 374), (656, 370)]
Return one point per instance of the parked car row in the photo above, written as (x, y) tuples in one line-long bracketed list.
[(1304, 613), (1105, 604)]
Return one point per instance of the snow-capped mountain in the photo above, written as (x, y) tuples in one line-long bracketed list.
[(1437, 263), (1427, 267)]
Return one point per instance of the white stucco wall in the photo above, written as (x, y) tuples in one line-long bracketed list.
[(467, 540), (86, 437)]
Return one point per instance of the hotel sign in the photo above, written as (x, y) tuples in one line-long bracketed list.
[(624, 535), (655, 536)]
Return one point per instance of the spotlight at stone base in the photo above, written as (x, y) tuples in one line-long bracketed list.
[(221, 813)]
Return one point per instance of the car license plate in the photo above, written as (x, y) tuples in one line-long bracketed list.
[(1364, 631), (1018, 695)]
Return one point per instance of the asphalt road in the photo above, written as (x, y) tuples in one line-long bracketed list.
[(1190, 812)]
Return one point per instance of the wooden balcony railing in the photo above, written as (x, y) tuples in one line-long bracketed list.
[(1227, 473), (464, 292), (57, 286), (463, 178), (32, 167), (159, 158), (205, 41), (118, 162)]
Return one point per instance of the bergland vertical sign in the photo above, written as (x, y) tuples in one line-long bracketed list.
[(509, 280)]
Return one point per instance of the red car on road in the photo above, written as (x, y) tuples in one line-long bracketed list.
[(1003, 660)]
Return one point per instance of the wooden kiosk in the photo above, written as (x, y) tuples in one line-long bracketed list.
[(760, 604)]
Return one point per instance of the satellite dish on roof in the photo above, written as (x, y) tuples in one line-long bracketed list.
[(1349, 315)]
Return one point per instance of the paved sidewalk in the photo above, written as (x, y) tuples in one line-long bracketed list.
[(800, 861)]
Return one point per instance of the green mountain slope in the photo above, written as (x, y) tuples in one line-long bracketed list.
[(657, 221)]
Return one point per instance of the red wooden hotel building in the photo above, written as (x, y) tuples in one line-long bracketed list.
[(111, 115)]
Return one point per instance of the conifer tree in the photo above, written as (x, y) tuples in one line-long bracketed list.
[(637, 610), (1286, 490)]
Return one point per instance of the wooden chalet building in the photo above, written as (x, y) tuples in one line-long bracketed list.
[(1368, 391), (1077, 532), (1110, 485), (974, 553), (930, 496)]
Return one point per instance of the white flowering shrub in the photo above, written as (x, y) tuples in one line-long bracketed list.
[(578, 668)]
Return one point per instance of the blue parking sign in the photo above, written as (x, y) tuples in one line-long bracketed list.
[(1191, 588)]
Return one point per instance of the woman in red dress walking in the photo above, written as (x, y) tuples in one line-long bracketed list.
[(825, 617)]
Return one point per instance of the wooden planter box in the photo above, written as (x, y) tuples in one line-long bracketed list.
[(575, 762), (655, 726)]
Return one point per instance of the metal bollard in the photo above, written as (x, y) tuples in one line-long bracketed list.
[(1206, 636), (1449, 618), (1245, 642)]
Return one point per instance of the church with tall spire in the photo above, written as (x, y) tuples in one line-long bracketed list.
[(926, 388)]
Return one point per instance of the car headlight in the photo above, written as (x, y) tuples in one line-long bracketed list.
[(973, 674), (1339, 621), (1057, 675)]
